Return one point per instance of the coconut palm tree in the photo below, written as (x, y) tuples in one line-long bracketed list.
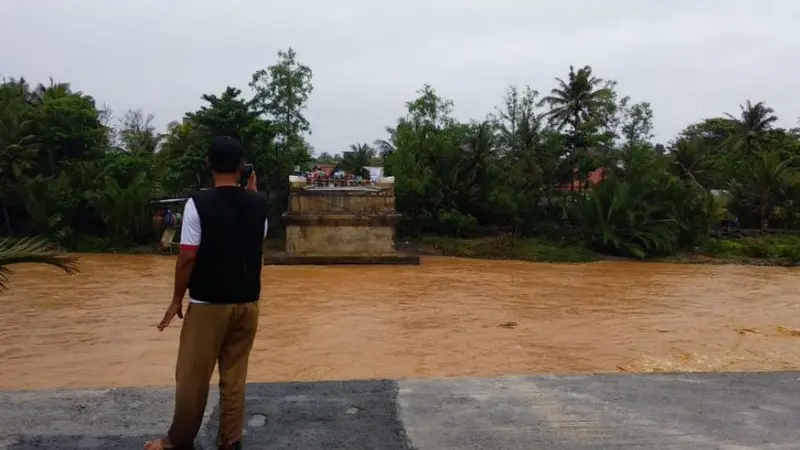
[(751, 126), (52, 91), (575, 103), (32, 250)]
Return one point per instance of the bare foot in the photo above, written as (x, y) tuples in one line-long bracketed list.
[(161, 443)]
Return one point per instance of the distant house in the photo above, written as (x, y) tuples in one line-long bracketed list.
[(595, 177), (327, 168)]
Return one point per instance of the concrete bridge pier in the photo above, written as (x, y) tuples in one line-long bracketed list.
[(340, 225)]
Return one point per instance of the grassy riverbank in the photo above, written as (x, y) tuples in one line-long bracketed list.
[(530, 249), (775, 250), (764, 250), (767, 250)]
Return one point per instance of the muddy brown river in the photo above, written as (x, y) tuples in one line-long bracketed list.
[(447, 317)]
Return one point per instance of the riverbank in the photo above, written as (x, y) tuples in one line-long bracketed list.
[(529, 249), (744, 249), (769, 250)]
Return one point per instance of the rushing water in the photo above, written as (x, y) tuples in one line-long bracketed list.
[(447, 317)]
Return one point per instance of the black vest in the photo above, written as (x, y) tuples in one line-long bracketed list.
[(229, 259)]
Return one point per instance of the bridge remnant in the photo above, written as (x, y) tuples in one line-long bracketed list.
[(329, 223)]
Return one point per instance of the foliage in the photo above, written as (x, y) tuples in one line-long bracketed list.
[(785, 248), (630, 219), (34, 251), (577, 166), (71, 173), (508, 247), (355, 161)]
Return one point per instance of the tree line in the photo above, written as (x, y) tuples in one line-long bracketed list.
[(577, 164)]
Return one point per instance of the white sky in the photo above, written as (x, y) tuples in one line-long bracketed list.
[(690, 58)]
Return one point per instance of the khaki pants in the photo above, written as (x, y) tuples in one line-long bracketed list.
[(213, 333)]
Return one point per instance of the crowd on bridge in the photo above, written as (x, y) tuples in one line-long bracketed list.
[(330, 175)]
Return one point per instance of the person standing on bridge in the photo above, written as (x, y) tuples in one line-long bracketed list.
[(219, 264)]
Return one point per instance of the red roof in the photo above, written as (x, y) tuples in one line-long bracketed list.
[(327, 168), (595, 177)]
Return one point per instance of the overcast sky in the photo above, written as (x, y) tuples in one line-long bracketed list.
[(689, 58)]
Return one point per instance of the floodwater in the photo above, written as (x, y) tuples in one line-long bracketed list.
[(447, 317)]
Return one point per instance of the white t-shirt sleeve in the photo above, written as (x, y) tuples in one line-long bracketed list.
[(190, 229)]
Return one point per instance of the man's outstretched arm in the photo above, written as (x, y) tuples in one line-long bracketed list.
[(190, 242), (183, 270)]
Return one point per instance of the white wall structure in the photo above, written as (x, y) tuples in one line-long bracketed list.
[(375, 173)]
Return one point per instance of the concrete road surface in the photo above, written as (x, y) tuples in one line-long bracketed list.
[(692, 411)]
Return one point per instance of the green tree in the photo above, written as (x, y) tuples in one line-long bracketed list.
[(765, 186), (637, 124), (355, 161), (751, 126), (327, 158), (576, 103), (137, 133), (281, 94), (67, 126), (630, 220), (181, 160), (18, 151), (688, 163)]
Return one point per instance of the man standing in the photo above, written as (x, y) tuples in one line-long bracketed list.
[(220, 264)]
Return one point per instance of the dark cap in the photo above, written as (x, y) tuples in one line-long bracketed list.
[(225, 148)]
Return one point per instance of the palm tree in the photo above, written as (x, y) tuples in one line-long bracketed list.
[(385, 148), (471, 173), (359, 156), (574, 102), (772, 176), (688, 163), (629, 220), (138, 135), (18, 151), (31, 250), (52, 92), (751, 125)]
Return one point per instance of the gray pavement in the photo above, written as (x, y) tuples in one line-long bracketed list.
[(689, 411)]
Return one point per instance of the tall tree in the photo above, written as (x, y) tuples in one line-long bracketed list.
[(751, 126), (517, 120), (68, 126), (281, 93), (17, 154), (137, 134), (430, 110), (575, 103), (227, 114), (637, 124)]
